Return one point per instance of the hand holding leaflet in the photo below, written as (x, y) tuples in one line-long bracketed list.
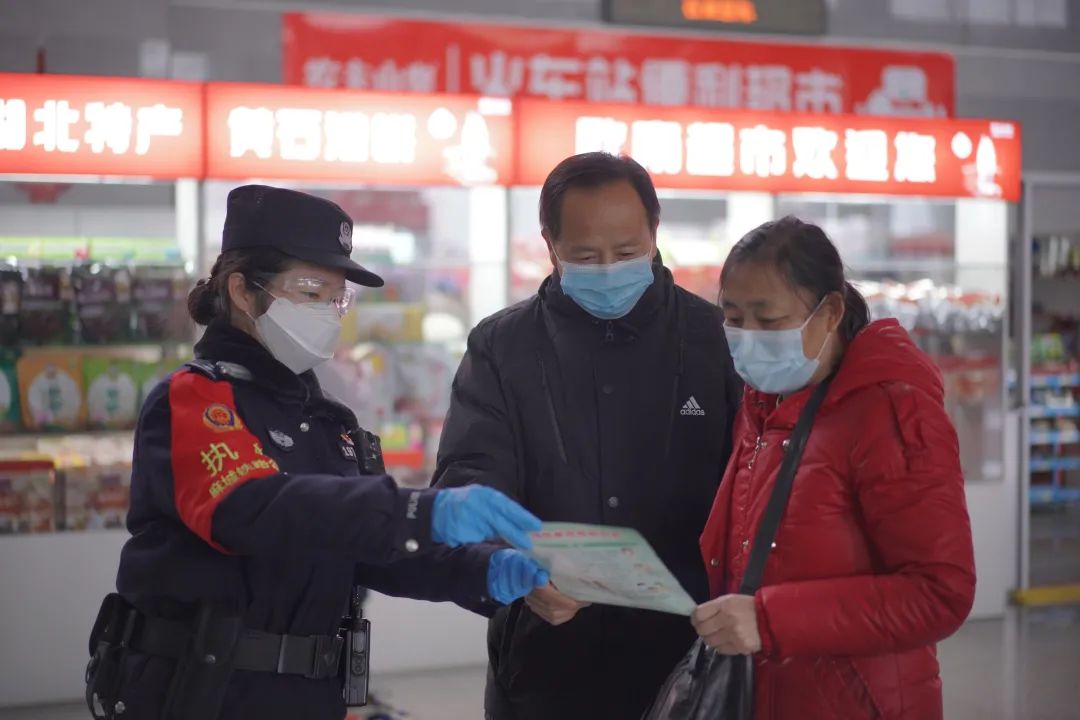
[(608, 566)]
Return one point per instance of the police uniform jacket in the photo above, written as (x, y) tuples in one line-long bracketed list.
[(246, 493)]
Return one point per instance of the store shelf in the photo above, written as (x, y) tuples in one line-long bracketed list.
[(1041, 412), (1055, 437), (1055, 464), (1050, 495), (1055, 381)]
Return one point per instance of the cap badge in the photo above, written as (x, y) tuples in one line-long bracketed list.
[(345, 238)]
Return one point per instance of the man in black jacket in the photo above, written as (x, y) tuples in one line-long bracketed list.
[(607, 398)]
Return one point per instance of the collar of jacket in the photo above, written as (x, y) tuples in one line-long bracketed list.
[(628, 327), (223, 342)]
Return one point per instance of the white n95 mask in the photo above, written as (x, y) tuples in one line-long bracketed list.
[(300, 335)]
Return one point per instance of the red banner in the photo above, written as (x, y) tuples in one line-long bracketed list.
[(64, 125), (612, 66), (303, 134), (69, 125), (696, 149)]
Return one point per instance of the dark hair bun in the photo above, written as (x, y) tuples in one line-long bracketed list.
[(202, 303)]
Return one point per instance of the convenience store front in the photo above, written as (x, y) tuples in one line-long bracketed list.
[(111, 202)]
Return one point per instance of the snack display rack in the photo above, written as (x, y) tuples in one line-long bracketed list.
[(1055, 377)]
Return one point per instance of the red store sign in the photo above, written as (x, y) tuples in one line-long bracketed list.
[(70, 125), (612, 66), (688, 149), (64, 125), (260, 131)]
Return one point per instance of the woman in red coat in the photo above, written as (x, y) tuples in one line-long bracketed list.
[(873, 563)]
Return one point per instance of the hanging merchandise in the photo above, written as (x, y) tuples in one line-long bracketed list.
[(50, 391), (1056, 256), (925, 307), (45, 307), (158, 294), (10, 298), (103, 302)]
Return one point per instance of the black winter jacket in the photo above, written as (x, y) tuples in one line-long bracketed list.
[(623, 423)]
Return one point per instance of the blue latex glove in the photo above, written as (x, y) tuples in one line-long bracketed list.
[(476, 513), (513, 575)]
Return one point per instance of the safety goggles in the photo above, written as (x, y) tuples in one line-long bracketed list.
[(313, 290)]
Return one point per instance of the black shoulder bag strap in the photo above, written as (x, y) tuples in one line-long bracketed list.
[(774, 511), (766, 534)]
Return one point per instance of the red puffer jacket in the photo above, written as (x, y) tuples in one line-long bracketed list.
[(873, 562)]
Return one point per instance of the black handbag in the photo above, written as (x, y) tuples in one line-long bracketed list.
[(706, 685)]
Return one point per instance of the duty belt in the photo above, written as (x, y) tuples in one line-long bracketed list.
[(316, 657)]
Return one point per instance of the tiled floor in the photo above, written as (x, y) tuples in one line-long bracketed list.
[(1024, 668)]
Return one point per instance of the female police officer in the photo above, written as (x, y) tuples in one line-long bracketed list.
[(253, 512)]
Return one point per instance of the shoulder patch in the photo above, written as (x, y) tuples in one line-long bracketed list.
[(212, 451), (221, 418)]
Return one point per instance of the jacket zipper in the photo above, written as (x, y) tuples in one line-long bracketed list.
[(758, 444), (551, 410)]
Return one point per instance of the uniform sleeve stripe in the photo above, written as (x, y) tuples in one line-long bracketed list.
[(213, 453)]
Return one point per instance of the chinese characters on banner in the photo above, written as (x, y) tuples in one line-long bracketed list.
[(63, 125), (688, 149), (280, 132), (611, 66), (100, 126)]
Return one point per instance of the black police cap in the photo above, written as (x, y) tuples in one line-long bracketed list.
[(303, 226)]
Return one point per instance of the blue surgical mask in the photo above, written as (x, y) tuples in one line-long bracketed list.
[(607, 292), (772, 361)]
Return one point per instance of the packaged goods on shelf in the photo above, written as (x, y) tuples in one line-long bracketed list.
[(45, 308), (112, 393), (1057, 256), (390, 322), (27, 497), (51, 391), (158, 293), (10, 299), (93, 304), (94, 476), (1047, 348), (103, 303), (925, 306), (9, 393), (96, 497), (148, 375)]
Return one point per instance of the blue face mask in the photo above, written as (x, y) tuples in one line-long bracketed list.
[(607, 292), (772, 361)]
